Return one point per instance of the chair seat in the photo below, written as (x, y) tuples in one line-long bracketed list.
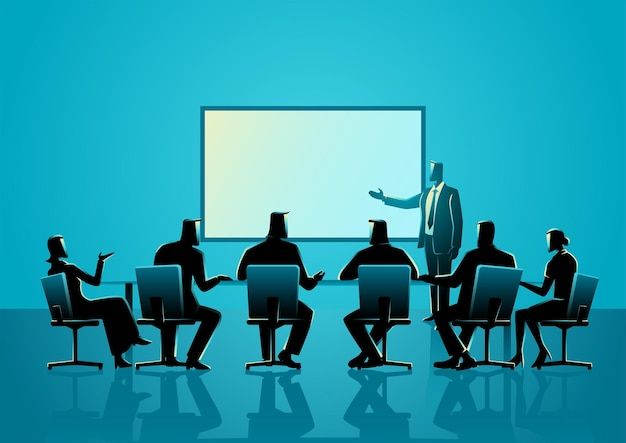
[(564, 323), (77, 323), (481, 322), (169, 321)]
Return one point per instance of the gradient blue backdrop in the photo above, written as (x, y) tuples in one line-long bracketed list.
[(100, 135)]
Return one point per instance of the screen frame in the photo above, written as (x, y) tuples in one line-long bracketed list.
[(203, 109)]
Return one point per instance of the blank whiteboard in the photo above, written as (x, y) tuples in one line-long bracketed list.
[(317, 163)]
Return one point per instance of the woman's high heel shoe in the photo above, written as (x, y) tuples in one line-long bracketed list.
[(121, 363), (518, 359), (541, 359), (142, 341)]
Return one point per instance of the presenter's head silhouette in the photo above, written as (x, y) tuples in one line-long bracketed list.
[(191, 232), (278, 225), (378, 232), (436, 171), (56, 247), (556, 240), (486, 233)]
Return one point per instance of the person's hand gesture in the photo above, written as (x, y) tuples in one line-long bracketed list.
[(319, 275), (378, 195), (103, 257)]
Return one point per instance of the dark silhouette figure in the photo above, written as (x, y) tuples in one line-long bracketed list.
[(380, 253), (273, 424), (275, 250), (119, 324), (441, 228), (485, 254), (560, 270), (191, 260)]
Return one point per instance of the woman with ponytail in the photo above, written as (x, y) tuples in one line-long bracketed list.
[(560, 270)]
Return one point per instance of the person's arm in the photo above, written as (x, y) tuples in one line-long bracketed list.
[(404, 203), (351, 270), (242, 268), (93, 280), (199, 275), (414, 271), (457, 223), (307, 282), (539, 290), (449, 280)]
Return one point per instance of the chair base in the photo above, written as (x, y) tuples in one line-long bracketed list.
[(94, 364), (502, 364), (385, 362), (584, 364), (161, 362), (270, 362)]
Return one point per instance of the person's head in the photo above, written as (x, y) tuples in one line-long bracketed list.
[(436, 171), (278, 225), (56, 247), (486, 233), (556, 240), (191, 232), (378, 232)]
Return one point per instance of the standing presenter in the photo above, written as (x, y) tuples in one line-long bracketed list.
[(441, 227)]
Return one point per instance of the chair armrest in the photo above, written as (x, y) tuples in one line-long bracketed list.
[(75, 323), (481, 322), (169, 321)]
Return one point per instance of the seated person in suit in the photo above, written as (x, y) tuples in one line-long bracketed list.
[(275, 250), (560, 270), (379, 253), (191, 260), (119, 324), (485, 254)]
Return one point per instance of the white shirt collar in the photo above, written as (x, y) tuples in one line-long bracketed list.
[(439, 187)]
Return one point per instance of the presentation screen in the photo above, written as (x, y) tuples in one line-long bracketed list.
[(317, 163)]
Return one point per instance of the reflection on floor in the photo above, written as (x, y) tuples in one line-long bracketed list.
[(324, 401)]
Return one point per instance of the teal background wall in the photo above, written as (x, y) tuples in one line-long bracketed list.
[(100, 135)]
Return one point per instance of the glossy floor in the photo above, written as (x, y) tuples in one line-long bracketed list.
[(325, 401)]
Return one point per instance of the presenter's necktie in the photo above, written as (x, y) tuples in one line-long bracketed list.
[(431, 213)]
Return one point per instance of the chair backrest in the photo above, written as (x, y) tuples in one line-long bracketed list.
[(494, 282), (162, 282), (377, 281), (57, 294), (279, 281), (583, 291)]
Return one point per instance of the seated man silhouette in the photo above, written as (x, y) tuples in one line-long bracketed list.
[(485, 254), (379, 253), (191, 261), (275, 250)]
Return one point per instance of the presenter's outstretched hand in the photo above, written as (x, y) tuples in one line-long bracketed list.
[(319, 275), (378, 195), (103, 257), (454, 253), (224, 278)]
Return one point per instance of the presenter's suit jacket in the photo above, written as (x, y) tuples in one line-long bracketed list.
[(448, 225)]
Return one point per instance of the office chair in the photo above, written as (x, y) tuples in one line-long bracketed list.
[(493, 298), (384, 300), (161, 297), (580, 300), (58, 297), (272, 302)]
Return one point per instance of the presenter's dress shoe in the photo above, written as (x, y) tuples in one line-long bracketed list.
[(372, 362), (518, 359), (142, 341), (121, 363), (450, 363), (197, 364), (357, 361), (468, 362), (541, 358), (285, 357)]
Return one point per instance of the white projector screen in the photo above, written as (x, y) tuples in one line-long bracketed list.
[(317, 163)]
